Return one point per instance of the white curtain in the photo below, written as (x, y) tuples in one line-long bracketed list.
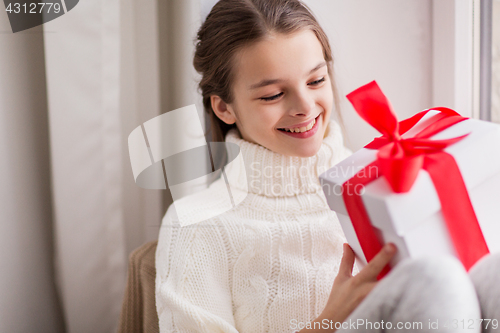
[(28, 299), (71, 91), (82, 56)]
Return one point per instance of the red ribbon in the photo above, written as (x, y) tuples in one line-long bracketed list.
[(400, 160)]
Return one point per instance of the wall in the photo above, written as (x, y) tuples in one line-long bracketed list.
[(385, 40)]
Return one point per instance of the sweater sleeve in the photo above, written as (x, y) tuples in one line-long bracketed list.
[(193, 292)]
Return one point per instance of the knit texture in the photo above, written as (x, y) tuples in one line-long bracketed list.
[(262, 265), (138, 314)]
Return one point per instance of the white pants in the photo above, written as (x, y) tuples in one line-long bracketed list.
[(432, 295)]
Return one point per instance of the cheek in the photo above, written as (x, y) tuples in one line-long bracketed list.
[(258, 126), (266, 119), (326, 98)]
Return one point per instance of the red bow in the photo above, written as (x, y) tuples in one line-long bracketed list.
[(400, 161)]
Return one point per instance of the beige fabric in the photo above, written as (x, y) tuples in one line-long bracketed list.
[(138, 313)]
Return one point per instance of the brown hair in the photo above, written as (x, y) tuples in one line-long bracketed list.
[(234, 24)]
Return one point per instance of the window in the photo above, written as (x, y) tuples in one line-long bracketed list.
[(489, 55), (495, 62)]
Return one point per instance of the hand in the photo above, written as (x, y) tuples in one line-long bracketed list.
[(348, 291)]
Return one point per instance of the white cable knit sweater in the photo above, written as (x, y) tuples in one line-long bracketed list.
[(262, 266)]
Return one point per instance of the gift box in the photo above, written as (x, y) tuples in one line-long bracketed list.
[(430, 184)]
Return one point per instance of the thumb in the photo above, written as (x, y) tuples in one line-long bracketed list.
[(347, 263)]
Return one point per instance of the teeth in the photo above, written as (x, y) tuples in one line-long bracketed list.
[(310, 125), (302, 129)]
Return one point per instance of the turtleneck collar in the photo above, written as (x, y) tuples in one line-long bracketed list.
[(276, 175)]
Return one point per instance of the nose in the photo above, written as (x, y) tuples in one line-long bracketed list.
[(302, 105)]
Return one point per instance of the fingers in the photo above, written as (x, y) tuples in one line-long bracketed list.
[(378, 263), (347, 262)]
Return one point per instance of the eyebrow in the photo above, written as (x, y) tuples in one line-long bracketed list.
[(267, 82), (318, 66)]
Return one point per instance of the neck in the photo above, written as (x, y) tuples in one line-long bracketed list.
[(275, 175)]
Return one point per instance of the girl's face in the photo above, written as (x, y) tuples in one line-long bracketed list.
[(281, 84)]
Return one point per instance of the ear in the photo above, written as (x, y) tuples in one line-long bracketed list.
[(223, 110)]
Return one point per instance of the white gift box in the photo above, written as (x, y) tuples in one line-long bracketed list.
[(413, 220)]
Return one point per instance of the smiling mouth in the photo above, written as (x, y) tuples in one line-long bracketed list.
[(300, 129)]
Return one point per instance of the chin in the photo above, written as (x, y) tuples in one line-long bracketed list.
[(308, 152)]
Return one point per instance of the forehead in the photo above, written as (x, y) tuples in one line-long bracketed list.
[(278, 56)]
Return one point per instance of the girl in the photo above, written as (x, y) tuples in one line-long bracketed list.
[(278, 262)]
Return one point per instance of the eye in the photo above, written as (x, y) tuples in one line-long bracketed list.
[(315, 83), (272, 98)]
